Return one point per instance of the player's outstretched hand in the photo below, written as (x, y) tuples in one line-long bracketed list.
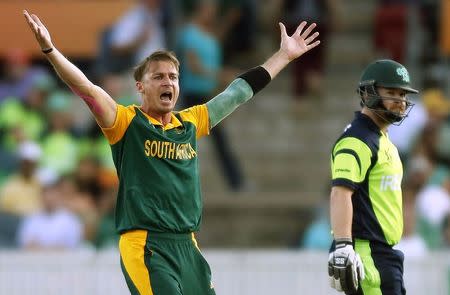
[(345, 268), (40, 31), (300, 42)]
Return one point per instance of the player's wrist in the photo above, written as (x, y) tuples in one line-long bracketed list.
[(284, 56), (257, 77), (342, 242), (47, 50)]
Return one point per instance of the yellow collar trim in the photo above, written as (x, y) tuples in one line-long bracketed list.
[(174, 122)]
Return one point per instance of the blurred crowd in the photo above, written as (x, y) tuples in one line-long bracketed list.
[(57, 179)]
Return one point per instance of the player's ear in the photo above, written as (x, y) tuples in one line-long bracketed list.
[(139, 87)]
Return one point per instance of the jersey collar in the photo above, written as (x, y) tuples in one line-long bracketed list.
[(174, 122), (367, 121)]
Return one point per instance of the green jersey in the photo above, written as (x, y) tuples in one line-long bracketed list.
[(365, 160), (159, 185)]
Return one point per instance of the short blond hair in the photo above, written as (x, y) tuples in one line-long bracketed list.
[(160, 55)]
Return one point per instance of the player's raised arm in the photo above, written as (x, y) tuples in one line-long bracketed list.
[(102, 106), (252, 81)]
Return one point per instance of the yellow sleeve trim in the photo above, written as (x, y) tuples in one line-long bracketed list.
[(123, 119), (197, 115)]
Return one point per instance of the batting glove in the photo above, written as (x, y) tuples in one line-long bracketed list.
[(345, 268)]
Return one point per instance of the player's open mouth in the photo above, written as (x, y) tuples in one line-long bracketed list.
[(166, 96)]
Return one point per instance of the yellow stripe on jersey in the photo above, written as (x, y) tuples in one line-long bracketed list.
[(131, 247), (120, 126), (197, 115)]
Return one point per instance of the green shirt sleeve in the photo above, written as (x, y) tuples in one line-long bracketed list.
[(350, 161), (222, 105)]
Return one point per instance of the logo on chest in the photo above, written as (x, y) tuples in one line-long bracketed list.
[(169, 150)]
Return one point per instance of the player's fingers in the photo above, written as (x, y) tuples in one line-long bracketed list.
[(39, 32), (300, 28), (308, 31), (310, 39), (26, 15), (28, 18), (282, 29), (36, 19), (337, 284), (355, 278), (33, 27), (311, 46), (40, 23), (343, 278), (352, 278), (360, 272)]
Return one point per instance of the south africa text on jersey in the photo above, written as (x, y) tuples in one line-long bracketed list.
[(169, 150)]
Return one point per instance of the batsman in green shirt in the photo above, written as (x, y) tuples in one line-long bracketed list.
[(159, 206), (366, 197)]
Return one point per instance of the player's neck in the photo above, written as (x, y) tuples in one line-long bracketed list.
[(381, 122), (164, 119)]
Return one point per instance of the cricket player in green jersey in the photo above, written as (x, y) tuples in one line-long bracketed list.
[(366, 197), (159, 204)]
